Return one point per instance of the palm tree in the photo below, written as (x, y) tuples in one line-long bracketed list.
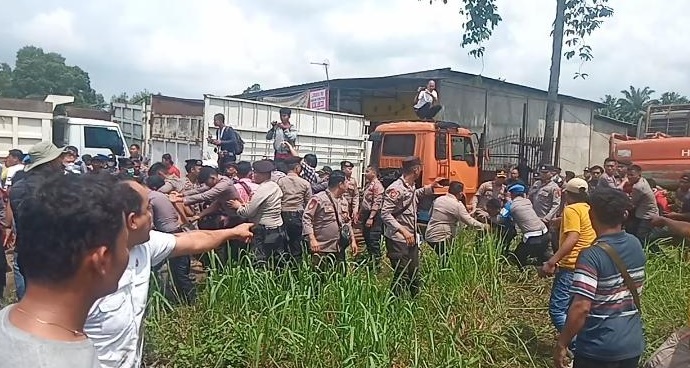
[(612, 108), (634, 103), (673, 98)]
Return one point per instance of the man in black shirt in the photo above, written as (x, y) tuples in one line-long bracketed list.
[(45, 161)]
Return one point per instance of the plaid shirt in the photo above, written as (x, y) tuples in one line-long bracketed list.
[(309, 174)]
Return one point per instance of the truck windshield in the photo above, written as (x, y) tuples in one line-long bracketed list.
[(103, 137), (399, 145), (461, 148)]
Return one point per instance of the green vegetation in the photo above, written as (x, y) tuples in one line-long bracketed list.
[(480, 312)]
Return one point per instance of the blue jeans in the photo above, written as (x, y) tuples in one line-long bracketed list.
[(18, 279), (560, 298)]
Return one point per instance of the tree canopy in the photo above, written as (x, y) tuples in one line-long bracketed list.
[(137, 97), (37, 74), (633, 103)]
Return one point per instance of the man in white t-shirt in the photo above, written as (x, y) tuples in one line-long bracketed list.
[(115, 322), (426, 104), (14, 164)]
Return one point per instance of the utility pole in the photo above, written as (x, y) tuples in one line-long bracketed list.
[(552, 97), (325, 65)]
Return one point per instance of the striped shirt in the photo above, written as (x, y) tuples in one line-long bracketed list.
[(613, 328)]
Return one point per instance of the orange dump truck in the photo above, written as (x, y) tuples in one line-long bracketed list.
[(445, 148), (660, 156)]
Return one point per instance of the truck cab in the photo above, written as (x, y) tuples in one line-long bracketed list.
[(90, 136), (445, 148)]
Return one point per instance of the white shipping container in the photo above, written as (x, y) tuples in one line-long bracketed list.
[(331, 136)]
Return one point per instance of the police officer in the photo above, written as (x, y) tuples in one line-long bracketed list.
[(370, 214), (264, 210), (351, 196), (535, 235), (399, 216), (296, 194), (446, 212), (546, 194), (491, 189), (328, 235)]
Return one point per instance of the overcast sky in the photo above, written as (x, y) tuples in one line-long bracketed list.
[(188, 48)]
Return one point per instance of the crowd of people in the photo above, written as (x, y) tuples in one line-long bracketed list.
[(88, 233)]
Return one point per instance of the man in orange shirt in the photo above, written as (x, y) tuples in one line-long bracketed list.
[(576, 234), (170, 165)]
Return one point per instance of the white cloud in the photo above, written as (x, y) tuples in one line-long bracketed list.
[(54, 29), (187, 48)]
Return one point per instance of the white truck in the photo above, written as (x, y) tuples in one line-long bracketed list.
[(24, 123), (180, 127), (331, 136)]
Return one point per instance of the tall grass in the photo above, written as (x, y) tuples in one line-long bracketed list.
[(477, 312)]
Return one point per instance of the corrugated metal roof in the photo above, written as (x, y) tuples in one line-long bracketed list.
[(439, 74)]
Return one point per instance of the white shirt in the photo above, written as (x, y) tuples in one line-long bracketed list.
[(424, 97), (115, 322), (10, 173)]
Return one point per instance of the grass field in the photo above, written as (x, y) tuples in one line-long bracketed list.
[(478, 312)]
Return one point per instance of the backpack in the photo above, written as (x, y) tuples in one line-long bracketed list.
[(239, 146)]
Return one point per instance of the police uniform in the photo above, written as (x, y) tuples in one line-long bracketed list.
[(446, 212), (487, 191), (264, 210), (399, 211), (535, 235), (321, 219), (545, 197), (371, 209), (296, 194), (351, 196)]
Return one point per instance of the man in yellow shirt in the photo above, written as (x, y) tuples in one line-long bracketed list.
[(576, 234)]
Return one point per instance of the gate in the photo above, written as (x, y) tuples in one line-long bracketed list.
[(506, 152)]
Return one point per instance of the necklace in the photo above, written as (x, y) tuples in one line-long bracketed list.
[(74, 332)]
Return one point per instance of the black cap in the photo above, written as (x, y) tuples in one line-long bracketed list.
[(411, 161), (346, 164), (327, 169), (501, 173), (86, 158), (547, 168), (123, 161), (685, 177), (73, 150), (586, 169), (167, 156), (263, 167), (194, 162), (100, 157)]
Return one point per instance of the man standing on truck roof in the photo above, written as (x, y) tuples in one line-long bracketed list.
[(281, 133), (426, 104), (399, 216)]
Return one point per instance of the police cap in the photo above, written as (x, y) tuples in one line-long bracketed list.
[(193, 162), (548, 168), (344, 164), (501, 173), (263, 166)]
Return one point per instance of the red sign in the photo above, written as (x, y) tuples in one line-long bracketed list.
[(318, 99)]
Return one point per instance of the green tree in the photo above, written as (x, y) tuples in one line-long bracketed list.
[(672, 98), (137, 97), (37, 74), (5, 80), (634, 103), (256, 87), (574, 21), (612, 108)]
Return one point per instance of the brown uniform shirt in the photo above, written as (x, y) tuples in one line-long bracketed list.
[(352, 196), (223, 191), (373, 196), (446, 212), (319, 219), (397, 196), (296, 192), (487, 191), (265, 206)]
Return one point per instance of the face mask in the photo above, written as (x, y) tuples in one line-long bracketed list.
[(130, 172), (70, 167)]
